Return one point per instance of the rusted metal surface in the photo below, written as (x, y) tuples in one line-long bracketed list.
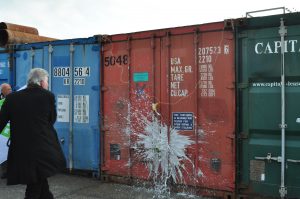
[(15, 37), (19, 28), (186, 71)]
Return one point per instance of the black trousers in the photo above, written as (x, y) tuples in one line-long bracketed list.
[(39, 190), (4, 169)]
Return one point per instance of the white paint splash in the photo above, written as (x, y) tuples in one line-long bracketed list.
[(164, 156), (159, 146)]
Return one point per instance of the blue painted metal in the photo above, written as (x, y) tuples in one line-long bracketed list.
[(4, 66), (24, 61), (78, 103)]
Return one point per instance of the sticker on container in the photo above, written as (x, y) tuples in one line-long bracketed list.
[(262, 177), (66, 81), (298, 120), (61, 71), (63, 108), (81, 108), (81, 71), (115, 152), (183, 121), (79, 81), (2, 64), (141, 77)]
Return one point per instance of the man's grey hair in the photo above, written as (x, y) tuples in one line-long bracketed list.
[(36, 75)]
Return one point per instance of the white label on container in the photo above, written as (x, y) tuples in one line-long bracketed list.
[(226, 49), (61, 71), (2, 64), (298, 120), (79, 81), (66, 81), (81, 108), (63, 108), (262, 177), (82, 71)]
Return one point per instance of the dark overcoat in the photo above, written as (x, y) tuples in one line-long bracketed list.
[(34, 151)]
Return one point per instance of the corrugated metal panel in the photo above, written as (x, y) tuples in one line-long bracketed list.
[(259, 68), (189, 73), (4, 66), (74, 67)]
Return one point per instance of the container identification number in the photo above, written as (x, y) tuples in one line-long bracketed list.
[(65, 71), (210, 50), (61, 72), (113, 60), (81, 71)]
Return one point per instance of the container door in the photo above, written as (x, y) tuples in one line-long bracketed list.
[(216, 110), (129, 90), (115, 108), (4, 68), (75, 82), (144, 91), (260, 111), (179, 102), (201, 103), (25, 61)]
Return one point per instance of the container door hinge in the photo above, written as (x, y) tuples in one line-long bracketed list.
[(104, 168), (231, 86), (243, 186), (104, 88), (231, 136), (242, 35), (104, 129), (243, 135), (243, 85)]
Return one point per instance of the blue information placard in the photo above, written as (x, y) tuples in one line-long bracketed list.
[(183, 121)]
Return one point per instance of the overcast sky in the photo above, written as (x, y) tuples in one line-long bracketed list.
[(64, 19)]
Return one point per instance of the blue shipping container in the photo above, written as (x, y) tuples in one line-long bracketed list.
[(5, 66), (74, 68)]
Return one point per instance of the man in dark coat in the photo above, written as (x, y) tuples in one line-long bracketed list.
[(34, 153)]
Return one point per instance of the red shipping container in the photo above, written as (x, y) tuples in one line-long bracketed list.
[(184, 76)]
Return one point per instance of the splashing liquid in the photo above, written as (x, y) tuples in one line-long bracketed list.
[(163, 157)]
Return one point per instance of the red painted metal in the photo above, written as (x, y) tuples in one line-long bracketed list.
[(190, 69)]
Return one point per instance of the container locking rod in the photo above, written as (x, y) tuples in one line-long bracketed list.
[(269, 158), (291, 160)]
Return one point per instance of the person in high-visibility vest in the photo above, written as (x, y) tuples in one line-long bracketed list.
[(5, 90)]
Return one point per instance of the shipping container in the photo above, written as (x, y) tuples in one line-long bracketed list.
[(182, 78), (5, 66), (74, 78), (268, 80)]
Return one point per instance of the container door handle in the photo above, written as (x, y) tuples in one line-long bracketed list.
[(291, 160), (269, 158)]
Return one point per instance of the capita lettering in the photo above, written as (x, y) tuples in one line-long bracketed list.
[(275, 47)]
